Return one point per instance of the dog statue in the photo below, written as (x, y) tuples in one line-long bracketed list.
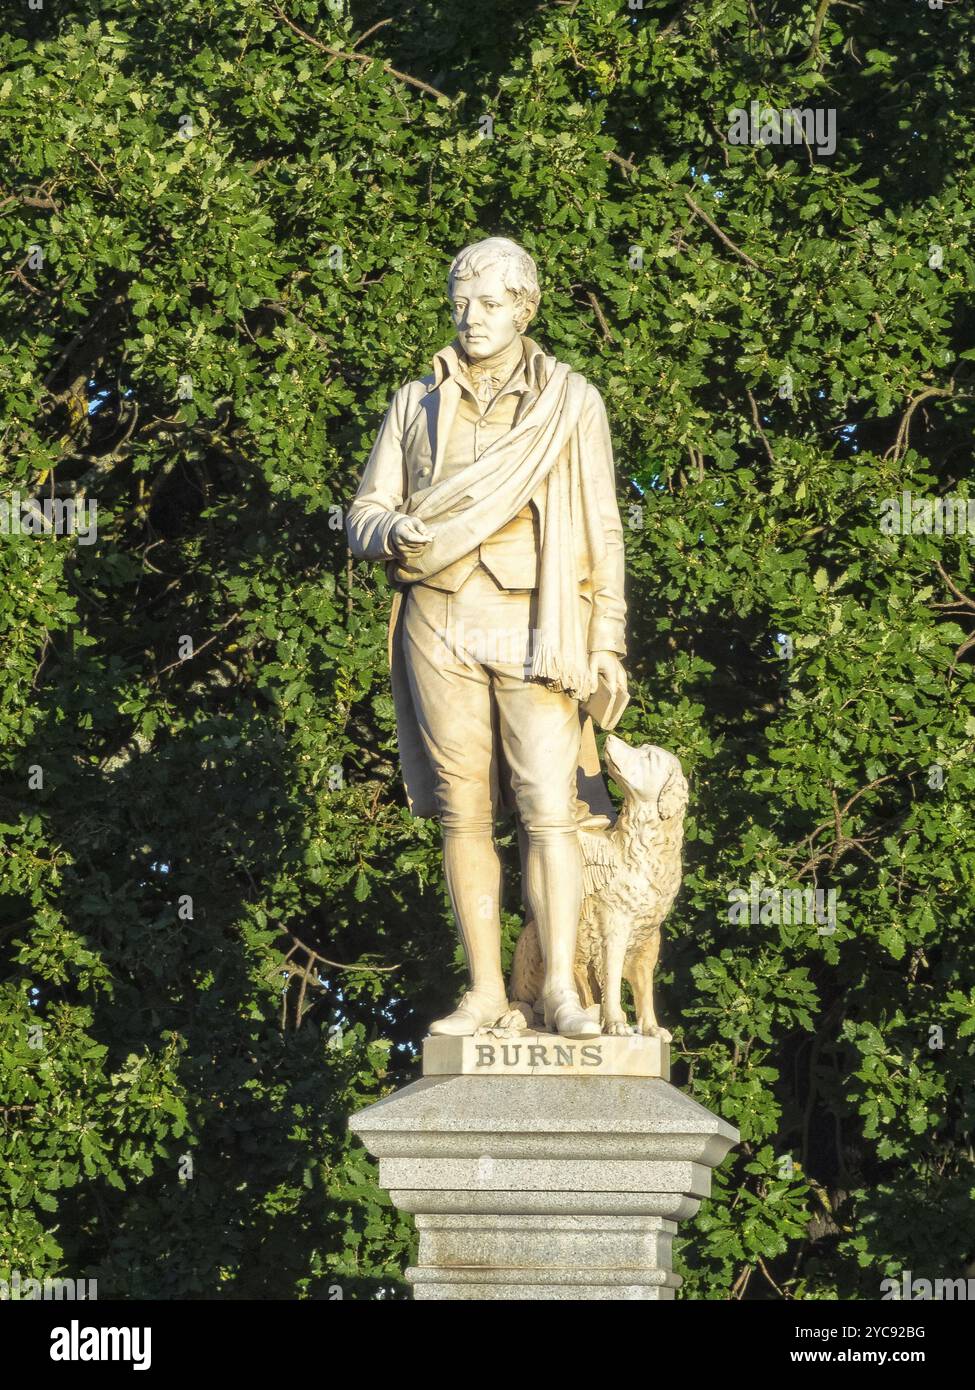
[(631, 873)]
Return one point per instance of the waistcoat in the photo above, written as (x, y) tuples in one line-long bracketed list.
[(510, 556)]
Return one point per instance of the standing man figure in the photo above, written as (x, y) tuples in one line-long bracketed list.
[(490, 494)]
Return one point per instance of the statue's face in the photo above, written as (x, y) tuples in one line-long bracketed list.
[(484, 314)]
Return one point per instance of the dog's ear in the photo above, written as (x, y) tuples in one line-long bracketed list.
[(673, 796)]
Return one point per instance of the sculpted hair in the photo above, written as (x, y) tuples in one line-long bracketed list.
[(519, 273)]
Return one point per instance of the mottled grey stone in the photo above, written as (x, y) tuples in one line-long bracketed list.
[(670, 1204), (567, 1187), (609, 1242)]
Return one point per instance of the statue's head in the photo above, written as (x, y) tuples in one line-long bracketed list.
[(493, 289)]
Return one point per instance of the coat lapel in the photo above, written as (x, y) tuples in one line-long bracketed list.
[(446, 393), (448, 399)]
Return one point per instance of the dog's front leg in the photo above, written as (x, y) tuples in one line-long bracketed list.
[(640, 975), (614, 949)]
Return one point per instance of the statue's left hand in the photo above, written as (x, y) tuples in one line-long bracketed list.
[(607, 668)]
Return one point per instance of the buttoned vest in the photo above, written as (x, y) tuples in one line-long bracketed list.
[(511, 554)]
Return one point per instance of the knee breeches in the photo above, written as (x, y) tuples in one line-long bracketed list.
[(468, 656)]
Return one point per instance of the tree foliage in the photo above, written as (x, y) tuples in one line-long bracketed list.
[(224, 231)]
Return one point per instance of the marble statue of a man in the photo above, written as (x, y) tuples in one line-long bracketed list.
[(490, 495)]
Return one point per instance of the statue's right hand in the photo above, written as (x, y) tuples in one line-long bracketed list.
[(409, 536)]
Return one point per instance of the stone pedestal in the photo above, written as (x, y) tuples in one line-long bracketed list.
[(565, 1181)]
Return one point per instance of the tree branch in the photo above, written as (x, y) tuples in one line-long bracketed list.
[(601, 317), (758, 425), (699, 212), (821, 12), (416, 82), (900, 444), (615, 158), (962, 597)]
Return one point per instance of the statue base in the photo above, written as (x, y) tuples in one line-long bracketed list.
[(563, 1182), (494, 1053)]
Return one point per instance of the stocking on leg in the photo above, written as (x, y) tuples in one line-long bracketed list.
[(473, 872), (554, 890)]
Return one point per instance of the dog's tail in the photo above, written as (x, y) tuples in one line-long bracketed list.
[(528, 974), (526, 968)]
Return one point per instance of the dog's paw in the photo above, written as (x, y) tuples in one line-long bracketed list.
[(651, 1029), (518, 1019), (620, 1029)]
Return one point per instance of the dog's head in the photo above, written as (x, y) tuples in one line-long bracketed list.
[(648, 774)]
